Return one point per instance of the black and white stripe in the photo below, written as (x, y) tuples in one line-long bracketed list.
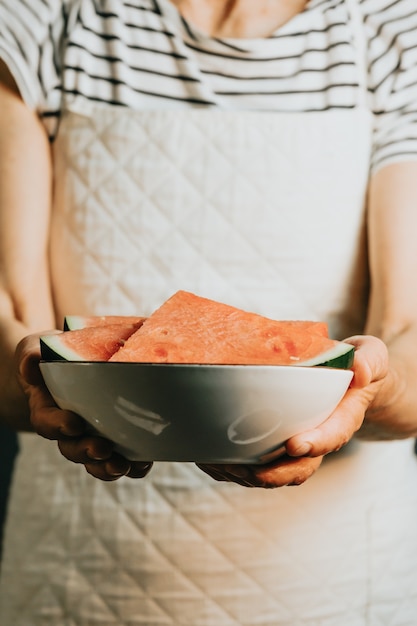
[(144, 55)]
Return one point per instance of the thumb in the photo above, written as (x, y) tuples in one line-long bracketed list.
[(371, 360), (28, 356)]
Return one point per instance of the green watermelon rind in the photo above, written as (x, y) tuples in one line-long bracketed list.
[(52, 349), (339, 357), (78, 322)]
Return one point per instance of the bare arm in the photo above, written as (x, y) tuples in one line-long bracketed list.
[(25, 190), (386, 382), (382, 401), (393, 302), (26, 307)]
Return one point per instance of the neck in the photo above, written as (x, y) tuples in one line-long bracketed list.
[(239, 18)]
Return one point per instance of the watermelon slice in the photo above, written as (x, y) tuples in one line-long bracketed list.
[(195, 330), (76, 322), (96, 343)]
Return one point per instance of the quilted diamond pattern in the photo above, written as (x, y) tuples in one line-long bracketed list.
[(179, 549), (207, 201)]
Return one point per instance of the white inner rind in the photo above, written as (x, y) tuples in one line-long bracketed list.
[(339, 350), (54, 343), (74, 322)]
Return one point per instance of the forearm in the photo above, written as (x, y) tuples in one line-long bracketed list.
[(393, 412), (15, 324), (13, 403), (25, 195), (392, 313)]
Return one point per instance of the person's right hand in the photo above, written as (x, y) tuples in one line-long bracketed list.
[(75, 442), (305, 451)]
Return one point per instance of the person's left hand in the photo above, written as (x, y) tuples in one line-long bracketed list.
[(304, 452)]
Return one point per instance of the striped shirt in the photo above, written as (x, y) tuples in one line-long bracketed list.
[(142, 54)]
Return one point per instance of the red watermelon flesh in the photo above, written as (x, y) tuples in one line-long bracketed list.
[(96, 343), (76, 322), (191, 329)]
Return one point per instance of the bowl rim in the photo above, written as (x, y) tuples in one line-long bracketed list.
[(211, 366)]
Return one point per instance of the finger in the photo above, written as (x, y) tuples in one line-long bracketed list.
[(27, 357), (108, 470), (213, 471), (139, 469), (220, 473), (97, 454), (370, 368), (46, 418), (336, 431), (51, 422), (288, 471), (371, 360), (117, 467), (86, 450)]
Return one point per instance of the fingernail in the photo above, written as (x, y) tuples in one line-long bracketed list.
[(97, 457), (302, 449), (118, 469), (116, 472)]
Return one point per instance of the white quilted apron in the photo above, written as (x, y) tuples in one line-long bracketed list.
[(266, 212)]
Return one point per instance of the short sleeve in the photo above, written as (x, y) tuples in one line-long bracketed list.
[(392, 32), (31, 37)]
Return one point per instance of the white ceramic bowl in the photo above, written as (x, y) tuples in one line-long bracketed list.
[(201, 413)]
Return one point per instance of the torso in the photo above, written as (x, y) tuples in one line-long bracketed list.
[(258, 207)]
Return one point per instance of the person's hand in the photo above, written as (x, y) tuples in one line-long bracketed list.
[(68, 429), (304, 452)]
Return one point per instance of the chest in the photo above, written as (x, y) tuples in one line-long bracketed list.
[(151, 59), (266, 212)]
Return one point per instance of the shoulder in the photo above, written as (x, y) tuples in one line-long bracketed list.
[(391, 30), (37, 19), (31, 36), (41, 9)]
